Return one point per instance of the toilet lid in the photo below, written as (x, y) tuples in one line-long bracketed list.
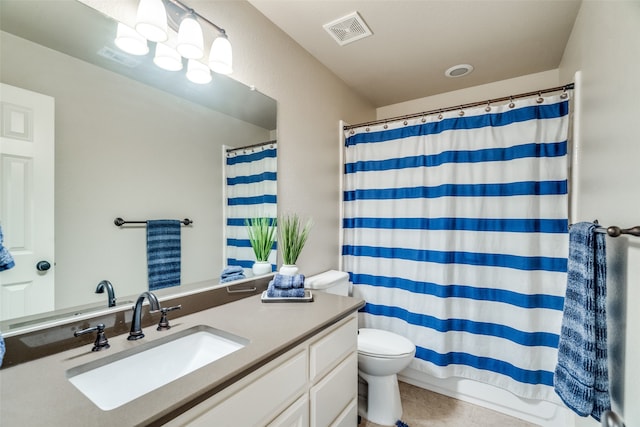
[(377, 342)]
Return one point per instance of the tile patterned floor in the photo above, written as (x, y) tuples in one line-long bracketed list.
[(424, 408)]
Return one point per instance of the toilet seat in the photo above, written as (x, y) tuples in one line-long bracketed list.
[(383, 344)]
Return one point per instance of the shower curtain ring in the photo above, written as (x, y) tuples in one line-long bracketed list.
[(461, 112), (424, 119), (385, 126), (540, 100), (440, 116), (488, 107), (564, 93), (511, 104)]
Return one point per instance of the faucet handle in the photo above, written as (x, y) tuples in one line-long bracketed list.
[(163, 325), (101, 342)]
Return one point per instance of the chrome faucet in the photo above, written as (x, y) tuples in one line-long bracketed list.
[(136, 328), (111, 295)]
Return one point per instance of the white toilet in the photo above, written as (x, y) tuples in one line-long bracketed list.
[(381, 355)]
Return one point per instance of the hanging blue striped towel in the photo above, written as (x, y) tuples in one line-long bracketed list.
[(6, 260), (581, 376), (163, 253)]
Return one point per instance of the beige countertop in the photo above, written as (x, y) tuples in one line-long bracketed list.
[(39, 393)]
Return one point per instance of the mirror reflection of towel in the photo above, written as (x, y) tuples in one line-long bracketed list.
[(6, 260), (163, 253)]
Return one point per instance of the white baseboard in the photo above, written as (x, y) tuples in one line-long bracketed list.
[(538, 412)]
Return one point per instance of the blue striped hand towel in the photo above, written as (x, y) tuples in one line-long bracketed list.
[(163, 253), (581, 377)]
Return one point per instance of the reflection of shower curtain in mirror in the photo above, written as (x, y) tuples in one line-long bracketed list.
[(455, 235), (251, 193)]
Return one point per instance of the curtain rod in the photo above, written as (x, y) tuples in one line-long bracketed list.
[(463, 106), (246, 147)]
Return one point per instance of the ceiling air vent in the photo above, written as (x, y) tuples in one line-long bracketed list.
[(348, 29)]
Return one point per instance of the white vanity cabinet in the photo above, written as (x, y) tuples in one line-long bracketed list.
[(314, 384)]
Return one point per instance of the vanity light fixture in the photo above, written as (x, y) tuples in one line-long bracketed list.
[(221, 56), (167, 58), (155, 18), (190, 38), (197, 72), (151, 21), (131, 41)]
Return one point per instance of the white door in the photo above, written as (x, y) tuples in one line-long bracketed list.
[(27, 148)]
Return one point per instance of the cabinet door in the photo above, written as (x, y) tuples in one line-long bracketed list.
[(335, 392), (297, 415), (348, 417)]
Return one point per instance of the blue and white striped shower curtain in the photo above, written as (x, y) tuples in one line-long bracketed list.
[(251, 192), (455, 234)]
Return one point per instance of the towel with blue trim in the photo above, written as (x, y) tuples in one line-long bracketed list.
[(581, 376), (163, 253), (6, 260), (231, 273), (282, 286)]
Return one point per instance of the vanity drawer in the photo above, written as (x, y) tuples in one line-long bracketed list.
[(333, 395), (258, 401), (296, 415), (333, 347)]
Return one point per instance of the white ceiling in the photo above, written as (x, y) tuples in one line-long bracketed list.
[(415, 41)]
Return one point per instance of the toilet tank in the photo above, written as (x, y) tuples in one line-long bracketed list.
[(331, 282)]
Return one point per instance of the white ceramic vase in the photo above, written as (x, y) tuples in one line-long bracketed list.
[(261, 268), (288, 269)]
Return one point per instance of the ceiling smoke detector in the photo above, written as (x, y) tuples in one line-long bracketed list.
[(348, 29), (459, 70)]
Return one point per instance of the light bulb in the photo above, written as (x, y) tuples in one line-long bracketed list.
[(167, 58), (151, 20), (190, 39), (197, 72), (221, 57), (131, 41)]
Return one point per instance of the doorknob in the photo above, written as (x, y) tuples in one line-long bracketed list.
[(43, 266)]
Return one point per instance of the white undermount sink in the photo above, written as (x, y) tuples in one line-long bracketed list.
[(127, 375)]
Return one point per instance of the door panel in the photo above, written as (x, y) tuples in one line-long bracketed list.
[(27, 147)]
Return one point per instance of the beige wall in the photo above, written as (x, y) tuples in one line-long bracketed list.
[(605, 47), (311, 101)]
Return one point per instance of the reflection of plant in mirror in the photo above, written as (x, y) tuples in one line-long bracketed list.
[(293, 237), (262, 236)]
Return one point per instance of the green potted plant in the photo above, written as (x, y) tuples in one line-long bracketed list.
[(293, 236), (262, 235)]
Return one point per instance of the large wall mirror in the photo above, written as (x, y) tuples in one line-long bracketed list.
[(131, 141)]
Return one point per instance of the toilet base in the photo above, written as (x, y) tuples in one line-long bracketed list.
[(383, 401)]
